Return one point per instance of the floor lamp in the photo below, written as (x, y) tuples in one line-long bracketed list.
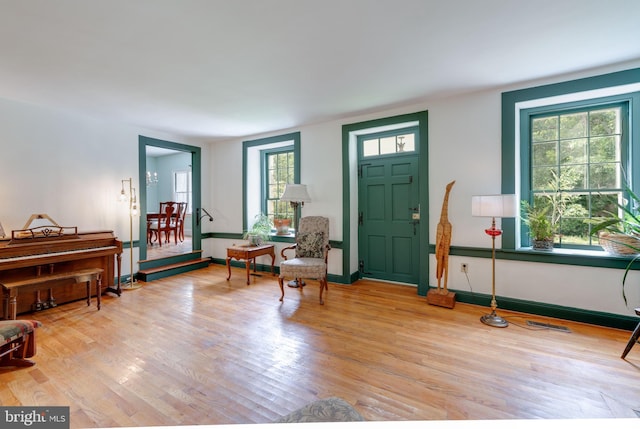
[(297, 195), (133, 211), (494, 206)]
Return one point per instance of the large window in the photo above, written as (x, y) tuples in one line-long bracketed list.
[(574, 145), (578, 157), (268, 165), (279, 168), (182, 188)]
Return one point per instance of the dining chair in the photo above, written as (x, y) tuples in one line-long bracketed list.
[(162, 223)]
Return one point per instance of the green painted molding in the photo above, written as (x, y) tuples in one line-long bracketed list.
[(548, 310), (548, 257), (247, 144), (274, 238)]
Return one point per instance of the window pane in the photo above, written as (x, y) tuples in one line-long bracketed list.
[(573, 151), (542, 176), (370, 147), (573, 126), (544, 129), (406, 143), (602, 205), (572, 177), (387, 145), (604, 176), (604, 149), (544, 154), (604, 122), (181, 182), (273, 191)]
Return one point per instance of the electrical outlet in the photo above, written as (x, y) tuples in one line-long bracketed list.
[(464, 268)]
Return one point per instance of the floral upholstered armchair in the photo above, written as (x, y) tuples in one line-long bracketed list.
[(311, 251)]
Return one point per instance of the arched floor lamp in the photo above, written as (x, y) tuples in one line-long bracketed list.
[(297, 195), (494, 206), (133, 211)]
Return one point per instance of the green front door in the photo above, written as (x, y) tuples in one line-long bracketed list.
[(389, 213)]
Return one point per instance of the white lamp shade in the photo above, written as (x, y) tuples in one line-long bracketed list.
[(295, 193), (494, 206)]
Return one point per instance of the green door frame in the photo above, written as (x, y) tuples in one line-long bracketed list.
[(196, 197), (349, 186)]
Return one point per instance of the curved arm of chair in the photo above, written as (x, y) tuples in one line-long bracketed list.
[(293, 246), (326, 253)]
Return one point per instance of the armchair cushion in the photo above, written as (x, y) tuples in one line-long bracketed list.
[(309, 245)]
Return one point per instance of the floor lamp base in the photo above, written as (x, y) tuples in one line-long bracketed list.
[(494, 320), (130, 285), (296, 283)]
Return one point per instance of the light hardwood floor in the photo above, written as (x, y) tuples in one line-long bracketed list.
[(196, 349)]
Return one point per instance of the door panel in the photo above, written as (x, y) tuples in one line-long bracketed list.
[(388, 235)]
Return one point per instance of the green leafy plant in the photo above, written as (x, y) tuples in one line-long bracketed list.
[(260, 230), (538, 221), (543, 217)]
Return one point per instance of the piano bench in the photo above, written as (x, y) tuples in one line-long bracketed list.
[(85, 275), (17, 342)]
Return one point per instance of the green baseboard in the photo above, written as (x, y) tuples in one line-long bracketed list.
[(550, 310)]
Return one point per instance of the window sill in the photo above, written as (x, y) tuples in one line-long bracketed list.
[(576, 257), (580, 257)]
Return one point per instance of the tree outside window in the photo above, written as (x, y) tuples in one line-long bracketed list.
[(576, 167), (280, 168)]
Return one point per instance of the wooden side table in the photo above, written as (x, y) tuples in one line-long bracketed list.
[(249, 253)]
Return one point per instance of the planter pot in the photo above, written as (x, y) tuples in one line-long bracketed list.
[(282, 226), (542, 244), (254, 240), (620, 244)]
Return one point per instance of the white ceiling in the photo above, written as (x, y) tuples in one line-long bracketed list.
[(223, 68)]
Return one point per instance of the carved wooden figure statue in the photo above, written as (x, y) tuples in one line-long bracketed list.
[(443, 241)]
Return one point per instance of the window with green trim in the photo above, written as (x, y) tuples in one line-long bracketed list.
[(279, 169), (576, 140), (268, 164)]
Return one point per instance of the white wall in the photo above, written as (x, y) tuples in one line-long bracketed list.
[(69, 167), (464, 145)]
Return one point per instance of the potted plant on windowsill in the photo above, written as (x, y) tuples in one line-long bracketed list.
[(260, 230), (282, 225), (540, 225), (620, 234)]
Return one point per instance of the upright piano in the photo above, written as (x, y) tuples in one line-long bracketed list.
[(34, 252)]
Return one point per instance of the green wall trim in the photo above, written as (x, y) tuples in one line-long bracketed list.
[(183, 257), (548, 257), (173, 271), (295, 137), (333, 278), (274, 238), (548, 310)]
